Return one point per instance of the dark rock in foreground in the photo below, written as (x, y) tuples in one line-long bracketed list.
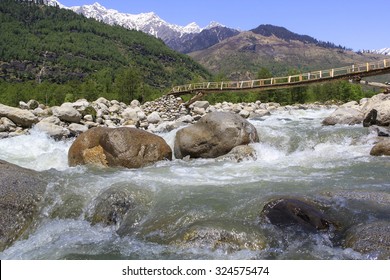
[(289, 211), (21, 195)]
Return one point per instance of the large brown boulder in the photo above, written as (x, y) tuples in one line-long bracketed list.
[(21, 196), (126, 147), (214, 135)]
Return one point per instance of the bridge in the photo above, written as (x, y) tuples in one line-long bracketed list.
[(353, 72)]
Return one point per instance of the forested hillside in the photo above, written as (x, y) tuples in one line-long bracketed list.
[(56, 55)]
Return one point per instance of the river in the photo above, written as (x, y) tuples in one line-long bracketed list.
[(204, 208)]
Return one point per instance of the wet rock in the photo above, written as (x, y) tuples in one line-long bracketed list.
[(214, 135), (382, 148), (240, 153), (217, 235), (373, 238), (70, 207), (344, 115), (290, 211), (53, 130), (21, 196), (111, 206), (126, 147), (23, 118), (87, 150)]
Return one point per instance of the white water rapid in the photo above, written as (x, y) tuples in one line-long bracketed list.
[(208, 209)]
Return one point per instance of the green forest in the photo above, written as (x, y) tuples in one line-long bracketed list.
[(54, 55)]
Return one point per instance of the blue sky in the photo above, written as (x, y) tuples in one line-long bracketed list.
[(354, 24)]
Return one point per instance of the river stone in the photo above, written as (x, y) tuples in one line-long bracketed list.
[(23, 118), (86, 148), (240, 153), (382, 148), (123, 205), (21, 195), (378, 113), (214, 135), (290, 211), (53, 130), (344, 115), (125, 146), (370, 238), (67, 113), (218, 235)]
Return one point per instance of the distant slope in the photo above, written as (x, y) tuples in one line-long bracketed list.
[(59, 45), (242, 56)]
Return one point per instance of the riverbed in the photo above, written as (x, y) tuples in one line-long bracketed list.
[(206, 208)]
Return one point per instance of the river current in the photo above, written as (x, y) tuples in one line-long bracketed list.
[(205, 208)]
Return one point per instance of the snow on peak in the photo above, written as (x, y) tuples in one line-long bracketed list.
[(191, 28), (147, 22), (214, 24), (385, 51)]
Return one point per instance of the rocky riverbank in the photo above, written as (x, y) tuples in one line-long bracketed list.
[(168, 113), (162, 115)]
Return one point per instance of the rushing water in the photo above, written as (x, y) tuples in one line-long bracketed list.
[(209, 209)]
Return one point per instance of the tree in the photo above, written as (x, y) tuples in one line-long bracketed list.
[(128, 82)]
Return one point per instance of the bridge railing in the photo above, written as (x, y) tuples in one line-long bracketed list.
[(292, 79)]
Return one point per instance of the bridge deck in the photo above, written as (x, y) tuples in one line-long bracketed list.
[(355, 71)]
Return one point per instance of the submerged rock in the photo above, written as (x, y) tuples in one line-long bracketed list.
[(382, 148), (214, 135), (290, 211), (240, 153), (217, 235), (126, 147), (118, 203), (21, 195), (370, 238)]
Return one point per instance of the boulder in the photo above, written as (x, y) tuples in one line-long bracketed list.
[(240, 153), (53, 130), (214, 135), (23, 118), (284, 212), (122, 203), (344, 115), (371, 238), (217, 235), (154, 118), (125, 146), (379, 114), (67, 113), (382, 148), (21, 194)]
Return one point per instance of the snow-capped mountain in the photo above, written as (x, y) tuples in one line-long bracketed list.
[(146, 22), (385, 51), (173, 35)]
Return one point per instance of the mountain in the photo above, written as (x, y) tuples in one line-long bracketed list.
[(202, 40), (57, 46), (269, 30), (241, 57), (184, 39)]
